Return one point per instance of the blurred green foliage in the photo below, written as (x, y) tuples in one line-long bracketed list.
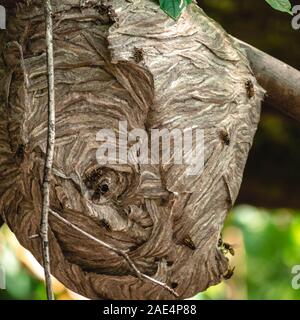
[(271, 240), (21, 283)]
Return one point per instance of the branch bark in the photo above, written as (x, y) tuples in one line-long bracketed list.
[(50, 150), (281, 81)]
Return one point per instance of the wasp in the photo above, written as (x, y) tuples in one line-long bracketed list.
[(99, 191), (225, 247), (228, 202), (105, 225), (113, 17), (91, 179), (229, 248), (20, 151), (249, 89), (138, 54), (220, 242), (187, 241), (224, 136), (102, 189), (229, 273)]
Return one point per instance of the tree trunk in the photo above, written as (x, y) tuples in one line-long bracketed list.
[(114, 62)]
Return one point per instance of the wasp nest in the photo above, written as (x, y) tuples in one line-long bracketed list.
[(124, 61)]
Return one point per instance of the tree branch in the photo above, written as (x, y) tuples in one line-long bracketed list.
[(49, 152), (281, 81), (122, 253)]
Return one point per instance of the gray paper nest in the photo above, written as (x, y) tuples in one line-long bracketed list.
[(190, 74)]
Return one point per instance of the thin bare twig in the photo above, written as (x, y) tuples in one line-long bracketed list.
[(116, 250), (50, 150)]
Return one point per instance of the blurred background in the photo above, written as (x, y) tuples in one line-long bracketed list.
[(264, 226)]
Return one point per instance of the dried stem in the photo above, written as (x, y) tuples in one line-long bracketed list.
[(116, 250), (50, 150)]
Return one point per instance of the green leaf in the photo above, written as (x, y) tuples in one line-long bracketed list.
[(281, 5), (174, 8)]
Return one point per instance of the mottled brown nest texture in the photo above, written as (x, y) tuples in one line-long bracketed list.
[(128, 61)]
